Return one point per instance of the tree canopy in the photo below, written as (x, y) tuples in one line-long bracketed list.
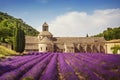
[(110, 33)]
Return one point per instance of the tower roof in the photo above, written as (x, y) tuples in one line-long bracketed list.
[(45, 40), (43, 33), (45, 24)]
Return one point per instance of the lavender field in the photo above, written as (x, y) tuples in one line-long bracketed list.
[(61, 66)]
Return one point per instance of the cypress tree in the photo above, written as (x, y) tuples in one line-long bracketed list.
[(19, 39), (22, 41)]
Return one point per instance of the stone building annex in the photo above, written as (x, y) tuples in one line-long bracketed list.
[(45, 42)]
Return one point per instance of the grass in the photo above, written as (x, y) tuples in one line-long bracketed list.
[(6, 52)]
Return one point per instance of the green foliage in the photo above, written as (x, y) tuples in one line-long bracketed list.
[(110, 33), (22, 36), (19, 40), (8, 25), (115, 49), (6, 52), (5, 33), (28, 78)]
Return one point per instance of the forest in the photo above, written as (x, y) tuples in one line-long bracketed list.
[(8, 25)]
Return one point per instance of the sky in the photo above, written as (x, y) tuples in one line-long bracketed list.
[(68, 18)]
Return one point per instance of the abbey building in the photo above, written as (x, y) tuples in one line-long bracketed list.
[(46, 42)]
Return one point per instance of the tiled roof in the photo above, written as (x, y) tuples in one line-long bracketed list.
[(45, 33), (78, 39), (45, 24), (45, 40), (31, 39)]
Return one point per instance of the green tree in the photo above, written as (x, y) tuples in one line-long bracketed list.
[(115, 49), (19, 40), (117, 33)]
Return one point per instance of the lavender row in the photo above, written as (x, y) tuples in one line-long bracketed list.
[(66, 72), (51, 72)]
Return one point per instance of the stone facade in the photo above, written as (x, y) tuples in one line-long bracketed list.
[(45, 42)]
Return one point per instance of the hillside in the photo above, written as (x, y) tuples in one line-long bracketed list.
[(6, 52), (110, 33), (10, 22), (8, 25)]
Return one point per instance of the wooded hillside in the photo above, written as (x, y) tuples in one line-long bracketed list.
[(8, 26)]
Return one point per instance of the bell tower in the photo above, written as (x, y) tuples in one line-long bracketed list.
[(45, 27), (45, 32)]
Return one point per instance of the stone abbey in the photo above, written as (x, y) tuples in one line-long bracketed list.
[(46, 42)]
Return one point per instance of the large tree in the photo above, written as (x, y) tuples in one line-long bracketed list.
[(19, 39)]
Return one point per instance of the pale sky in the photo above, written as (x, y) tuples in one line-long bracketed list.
[(66, 17)]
